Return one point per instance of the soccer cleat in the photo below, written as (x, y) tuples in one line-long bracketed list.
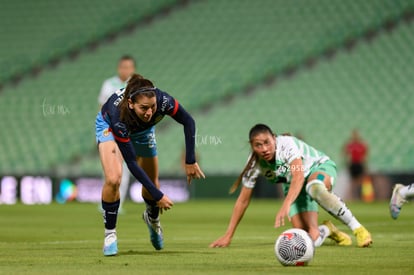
[(396, 201), (110, 245), (155, 230), (341, 238), (363, 237)]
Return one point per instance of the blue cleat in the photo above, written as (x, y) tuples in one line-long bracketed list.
[(110, 245), (155, 230), (396, 201)]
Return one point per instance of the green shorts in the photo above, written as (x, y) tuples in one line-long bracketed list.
[(304, 203)]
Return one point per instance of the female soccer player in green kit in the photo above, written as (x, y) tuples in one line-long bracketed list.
[(308, 177)]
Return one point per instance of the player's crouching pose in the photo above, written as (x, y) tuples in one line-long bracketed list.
[(125, 126), (307, 175), (400, 195)]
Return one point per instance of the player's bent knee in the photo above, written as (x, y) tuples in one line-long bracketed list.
[(315, 188), (113, 180)]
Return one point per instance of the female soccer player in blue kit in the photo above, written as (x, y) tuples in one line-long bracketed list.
[(126, 127), (308, 177)]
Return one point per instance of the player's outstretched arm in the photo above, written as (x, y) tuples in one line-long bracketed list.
[(192, 168), (238, 211), (128, 153), (296, 167)]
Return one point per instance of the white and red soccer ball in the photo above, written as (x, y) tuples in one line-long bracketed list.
[(294, 247)]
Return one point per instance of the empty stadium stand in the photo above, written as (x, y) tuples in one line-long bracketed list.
[(204, 53), (37, 32)]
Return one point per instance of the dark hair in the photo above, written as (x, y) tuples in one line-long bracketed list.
[(254, 131), (137, 86), (259, 129), (127, 57)]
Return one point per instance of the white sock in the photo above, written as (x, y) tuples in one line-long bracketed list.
[(323, 234), (331, 203), (109, 231), (407, 191)]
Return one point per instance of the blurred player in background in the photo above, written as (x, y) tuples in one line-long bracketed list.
[(356, 151), (308, 177), (125, 129), (400, 195), (126, 67)]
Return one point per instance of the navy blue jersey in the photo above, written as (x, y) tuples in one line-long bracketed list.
[(166, 105)]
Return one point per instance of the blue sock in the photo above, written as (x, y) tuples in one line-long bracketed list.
[(152, 209), (110, 213)]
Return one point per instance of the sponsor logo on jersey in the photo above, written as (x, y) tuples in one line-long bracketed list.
[(121, 129), (164, 103), (118, 100), (120, 93), (269, 174)]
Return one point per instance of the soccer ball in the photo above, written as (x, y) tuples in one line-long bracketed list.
[(294, 247)]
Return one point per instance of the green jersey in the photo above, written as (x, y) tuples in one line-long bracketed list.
[(288, 148)]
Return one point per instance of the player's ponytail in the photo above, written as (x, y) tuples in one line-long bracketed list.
[(255, 130), (236, 184)]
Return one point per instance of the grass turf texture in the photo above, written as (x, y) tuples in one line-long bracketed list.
[(67, 239)]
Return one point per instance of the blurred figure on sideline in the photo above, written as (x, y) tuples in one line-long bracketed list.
[(356, 151), (126, 67)]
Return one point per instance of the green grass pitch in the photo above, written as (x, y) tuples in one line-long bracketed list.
[(67, 239)]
